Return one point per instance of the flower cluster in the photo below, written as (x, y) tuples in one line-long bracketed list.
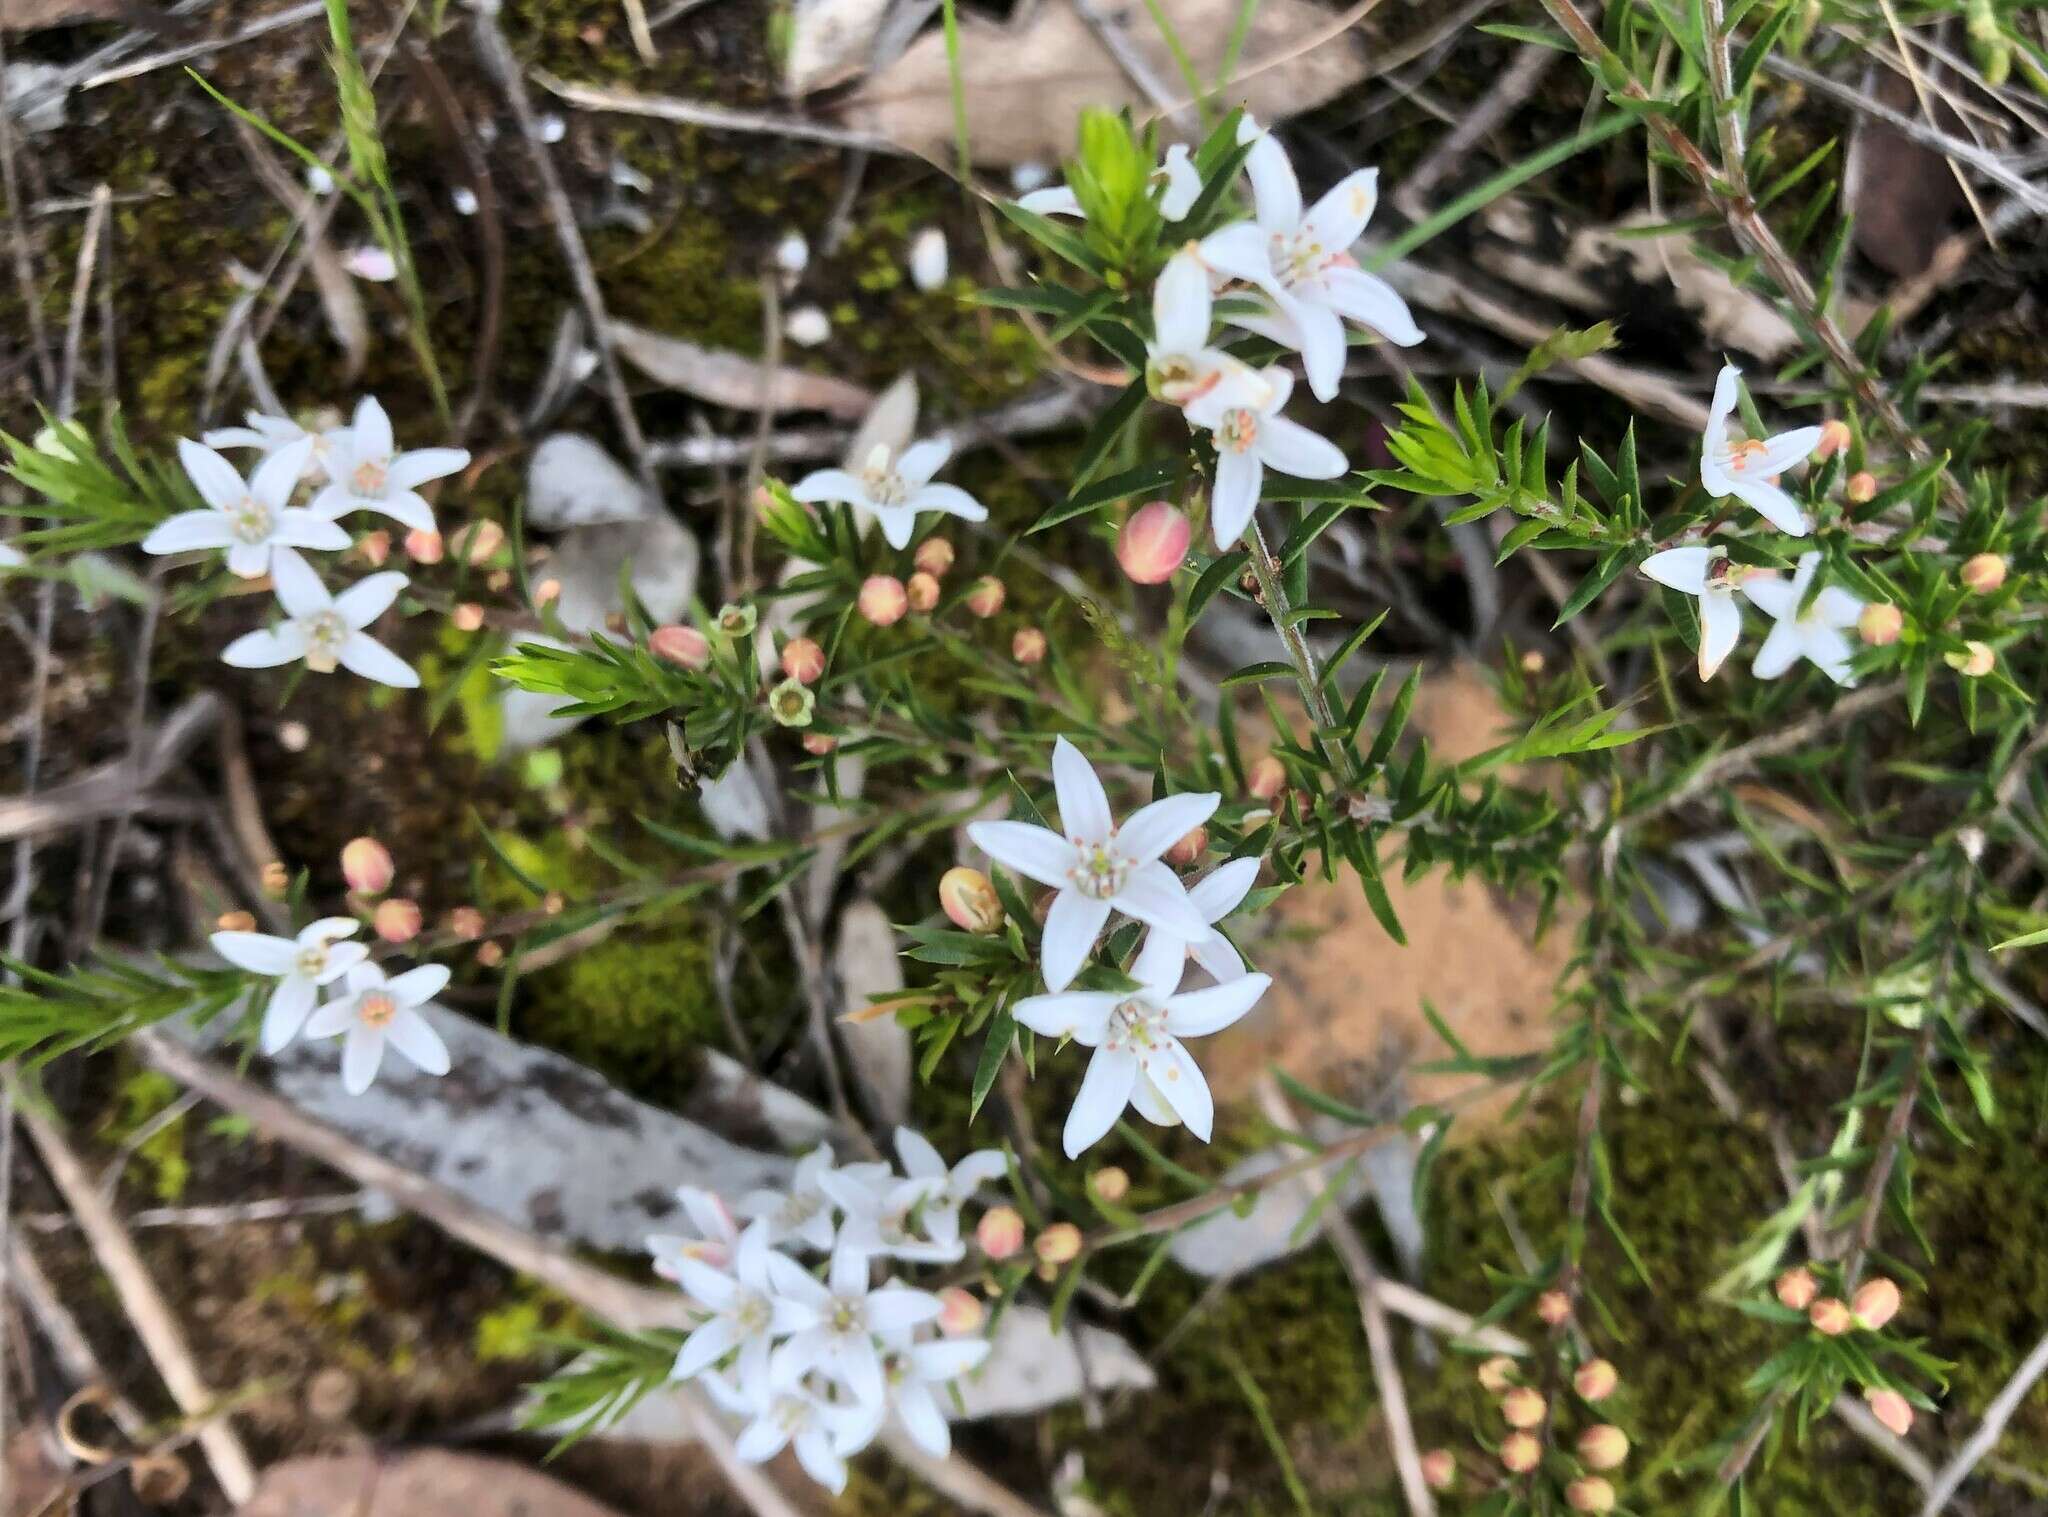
[(259, 530), (821, 1361)]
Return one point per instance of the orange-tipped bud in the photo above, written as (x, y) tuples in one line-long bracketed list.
[(1189, 848), (1000, 1232), (366, 865), (1596, 1379), (1589, 1493), (467, 923), (934, 556), (467, 617), (1110, 1184), (1553, 1307), (883, 600), (1862, 486), (235, 921), (1522, 1406), (969, 900), (1520, 1453), (547, 592), (819, 744), (987, 596), (424, 547), (1983, 573), (276, 879), (1892, 1409), (922, 591), (1875, 1303), (397, 920), (479, 542), (1496, 1374), (374, 548), (680, 645), (1834, 437), (1028, 646), (803, 660), (1880, 623), (1153, 542), (1974, 662), (961, 1313), (1058, 1244), (1830, 1316), (1797, 1288), (1603, 1447), (1439, 1469), (1266, 778), (490, 955)]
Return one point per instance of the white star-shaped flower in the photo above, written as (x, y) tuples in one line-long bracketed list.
[(1748, 470), (366, 472), (301, 965), (269, 434), (377, 1011), (741, 1305), (250, 518), (1097, 865), (893, 493), (1705, 574), (1178, 183), (1180, 365), (1251, 436), (1301, 261), (1816, 634), (883, 1215), (801, 1215), (1215, 896), (821, 1434), (832, 1324), (947, 1188), (1139, 1059), (915, 1374), (717, 1234), (323, 629)]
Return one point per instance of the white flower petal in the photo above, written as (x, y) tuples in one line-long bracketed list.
[(1720, 629), (418, 986), (1053, 200), (332, 1019), (1082, 1015), (897, 1308), (1771, 503), (921, 460), (267, 648), (290, 1005), (1780, 651), (1024, 848), (833, 485), (1787, 449), (1223, 889), (1183, 183), (304, 529), (1293, 449), (1219, 956), (1338, 219), (405, 507), (1714, 439), (370, 431), (950, 499), (1181, 305), (897, 523), (1323, 347), (1836, 607), (1681, 569), (218, 482), (257, 952), (1176, 1076), (1148, 1103), (923, 1421), (278, 475), (248, 560), (414, 1036), (1150, 830), (1156, 897), (1161, 965), (369, 598), (364, 655), (1200, 1012), (1071, 928), (919, 1159), (704, 1348), (298, 588), (1239, 478), (362, 1052), (189, 531), (1828, 650), (1371, 301), (1276, 193), (1776, 598), (1084, 805), (1241, 251), (1105, 1092), (409, 471)]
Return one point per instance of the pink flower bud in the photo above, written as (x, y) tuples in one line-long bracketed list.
[(1153, 543), (479, 542), (374, 548), (424, 547), (397, 919), (960, 1312), (1496, 1374), (1595, 1380), (803, 660), (684, 646), (1058, 1244), (1982, 574), (1796, 1288), (1834, 437), (467, 923), (883, 600), (1000, 1232), (1880, 624), (1439, 1469), (1189, 848), (1974, 662), (467, 617), (1892, 1409), (1553, 1307), (1829, 1316), (1522, 1406), (922, 591), (235, 921), (1875, 1303), (1266, 778), (934, 556), (986, 598), (547, 592), (366, 865), (1603, 1447), (1110, 1183), (1589, 1493), (1520, 1453), (969, 900), (1028, 646), (819, 743), (1862, 486)]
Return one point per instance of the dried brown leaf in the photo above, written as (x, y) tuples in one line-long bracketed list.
[(733, 379)]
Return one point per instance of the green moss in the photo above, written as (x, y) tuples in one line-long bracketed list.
[(160, 1157)]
